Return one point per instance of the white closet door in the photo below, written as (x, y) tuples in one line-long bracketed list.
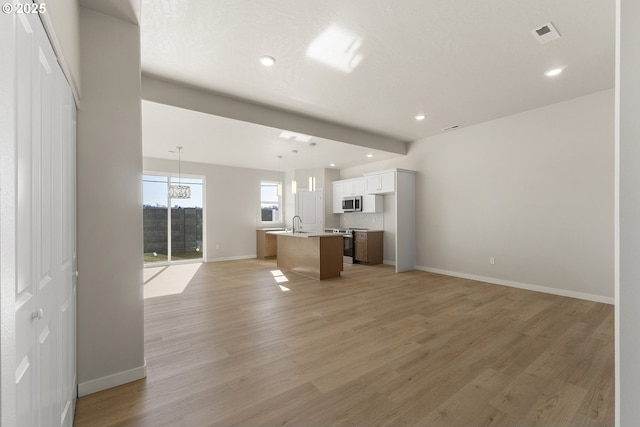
[(45, 292), (27, 395)]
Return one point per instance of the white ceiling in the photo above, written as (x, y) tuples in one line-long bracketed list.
[(460, 62)]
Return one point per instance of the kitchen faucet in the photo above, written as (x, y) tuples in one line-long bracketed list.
[(293, 221)]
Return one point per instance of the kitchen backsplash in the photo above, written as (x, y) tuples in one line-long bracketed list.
[(371, 221)]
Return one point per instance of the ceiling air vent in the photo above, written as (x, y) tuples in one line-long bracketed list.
[(546, 33), (451, 127)]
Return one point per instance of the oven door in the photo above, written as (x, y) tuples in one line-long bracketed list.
[(348, 248)]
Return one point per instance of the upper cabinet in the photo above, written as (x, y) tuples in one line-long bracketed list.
[(347, 188), (381, 183), (353, 187), (372, 204)]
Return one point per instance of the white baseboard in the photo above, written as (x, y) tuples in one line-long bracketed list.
[(389, 262), (536, 288), (113, 380), (231, 258)]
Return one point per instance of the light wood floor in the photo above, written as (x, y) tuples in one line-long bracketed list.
[(371, 348)]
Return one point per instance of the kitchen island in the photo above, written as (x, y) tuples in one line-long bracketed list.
[(317, 255)]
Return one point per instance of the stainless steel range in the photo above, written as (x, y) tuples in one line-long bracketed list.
[(349, 246)]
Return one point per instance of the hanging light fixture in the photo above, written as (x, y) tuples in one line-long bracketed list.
[(179, 191), (294, 184), (312, 178), (279, 183)]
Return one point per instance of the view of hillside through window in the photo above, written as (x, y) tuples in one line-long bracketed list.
[(172, 227)]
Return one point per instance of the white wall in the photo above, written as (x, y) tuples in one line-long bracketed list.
[(534, 190), (232, 205), (628, 209), (110, 298), (331, 220)]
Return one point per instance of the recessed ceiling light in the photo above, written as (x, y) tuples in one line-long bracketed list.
[(267, 60), (332, 164), (369, 155), (420, 117), (553, 72)]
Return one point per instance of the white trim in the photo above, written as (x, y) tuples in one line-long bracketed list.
[(232, 258), (536, 288), (389, 262), (52, 35), (616, 220), (113, 380), (8, 203)]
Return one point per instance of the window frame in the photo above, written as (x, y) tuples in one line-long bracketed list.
[(170, 178), (279, 203)]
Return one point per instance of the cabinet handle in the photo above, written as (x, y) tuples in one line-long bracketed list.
[(37, 314)]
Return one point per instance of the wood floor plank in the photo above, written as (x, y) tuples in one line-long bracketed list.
[(372, 348)]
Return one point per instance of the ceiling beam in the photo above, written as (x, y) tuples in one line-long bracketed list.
[(125, 10), (167, 92)]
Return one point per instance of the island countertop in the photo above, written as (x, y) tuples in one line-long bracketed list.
[(318, 255)]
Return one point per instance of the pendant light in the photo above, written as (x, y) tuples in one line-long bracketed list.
[(294, 184), (312, 178), (179, 191), (279, 183)]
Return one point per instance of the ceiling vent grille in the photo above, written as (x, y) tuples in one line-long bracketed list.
[(546, 33)]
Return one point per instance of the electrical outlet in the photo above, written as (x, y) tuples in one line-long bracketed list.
[(217, 245), (492, 260)]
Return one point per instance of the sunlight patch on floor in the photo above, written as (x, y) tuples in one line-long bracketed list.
[(280, 278), (168, 280)]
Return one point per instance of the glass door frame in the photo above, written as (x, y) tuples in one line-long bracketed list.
[(172, 179)]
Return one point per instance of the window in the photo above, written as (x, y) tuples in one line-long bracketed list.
[(270, 201)]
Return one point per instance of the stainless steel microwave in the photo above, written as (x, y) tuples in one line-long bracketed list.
[(352, 204)]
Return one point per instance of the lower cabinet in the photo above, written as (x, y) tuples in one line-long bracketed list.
[(368, 247), (266, 244)]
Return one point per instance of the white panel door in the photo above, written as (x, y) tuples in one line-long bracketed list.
[(45, 233), (67, 261), (310, 209), (27, 394)]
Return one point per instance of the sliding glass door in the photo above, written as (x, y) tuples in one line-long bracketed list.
[(173, 228)]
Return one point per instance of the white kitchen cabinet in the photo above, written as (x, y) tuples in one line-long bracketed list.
[(338, 194), (353, 187), (372, 204), (346, 188), (381, 183)]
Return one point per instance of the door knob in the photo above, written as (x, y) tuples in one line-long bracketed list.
[(37, 314), (75, 273)]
